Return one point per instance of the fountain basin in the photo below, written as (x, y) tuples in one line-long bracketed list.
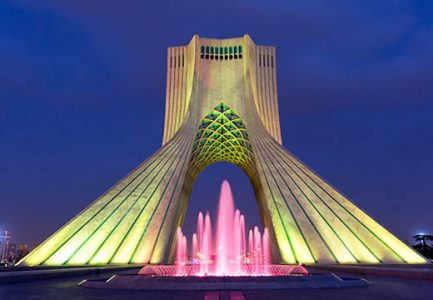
[(211, 283), (247, 270)]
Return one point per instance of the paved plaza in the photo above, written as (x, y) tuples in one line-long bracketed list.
[(380, 288)]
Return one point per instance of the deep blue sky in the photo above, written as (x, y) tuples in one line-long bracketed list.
[(82, 92)]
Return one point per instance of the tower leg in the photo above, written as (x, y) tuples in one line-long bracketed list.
[(312, 221), (131, 223)]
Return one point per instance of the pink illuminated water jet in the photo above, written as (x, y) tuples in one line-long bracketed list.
[(226, 253)]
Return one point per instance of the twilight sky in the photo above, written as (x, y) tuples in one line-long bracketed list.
[(82, 95)]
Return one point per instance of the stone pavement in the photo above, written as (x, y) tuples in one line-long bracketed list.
[(380, 288)]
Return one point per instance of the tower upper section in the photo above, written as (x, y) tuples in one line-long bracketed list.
[(208, 71)]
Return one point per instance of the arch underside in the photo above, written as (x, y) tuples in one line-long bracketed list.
[(135, 221)]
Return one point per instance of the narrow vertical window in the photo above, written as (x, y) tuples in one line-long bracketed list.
[(240, 51), (260, 60), (171, 62), (272, 61), (267, 60)]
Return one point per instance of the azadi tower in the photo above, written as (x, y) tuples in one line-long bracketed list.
[(221, 105)]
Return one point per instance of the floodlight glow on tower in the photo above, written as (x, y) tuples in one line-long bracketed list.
[(221, 105)]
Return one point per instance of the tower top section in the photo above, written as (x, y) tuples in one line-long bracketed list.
[(232, 46), (209, 71), (222, 40)]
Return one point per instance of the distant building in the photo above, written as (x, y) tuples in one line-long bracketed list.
[(12, 248), (22, 251)]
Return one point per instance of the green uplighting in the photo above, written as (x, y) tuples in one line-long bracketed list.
[(222, 136)]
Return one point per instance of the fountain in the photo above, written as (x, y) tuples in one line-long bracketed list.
[(226, 252)]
